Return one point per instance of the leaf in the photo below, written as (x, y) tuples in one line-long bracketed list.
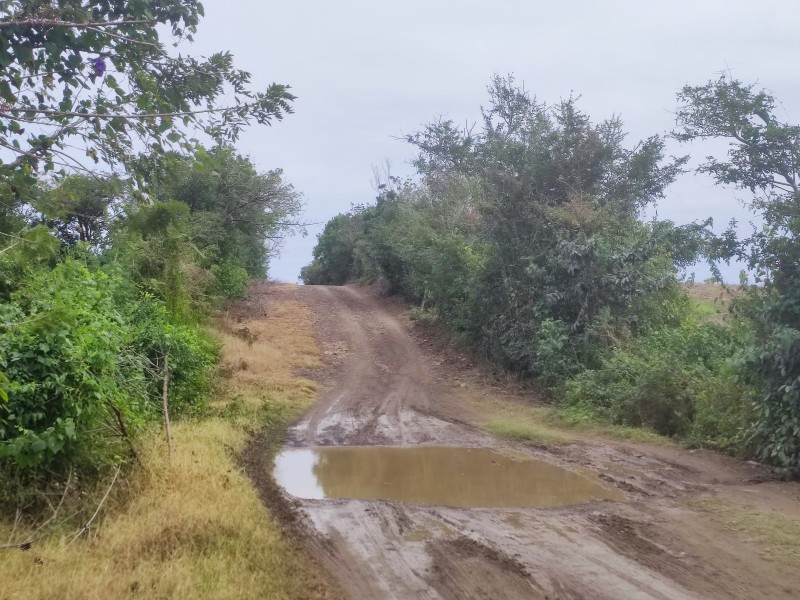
[(23, 53), (5, 90)]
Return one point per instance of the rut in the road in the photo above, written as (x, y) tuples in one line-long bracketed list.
[(384, 389)]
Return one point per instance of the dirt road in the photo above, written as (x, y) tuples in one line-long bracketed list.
[(380, 387)]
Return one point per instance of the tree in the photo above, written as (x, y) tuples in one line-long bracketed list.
[(333, 255), (77, 207), (560, 214), (523, 234), (764, 159), (239, 214), (98, 73)]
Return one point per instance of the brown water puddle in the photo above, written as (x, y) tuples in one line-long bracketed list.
[(439, 475)]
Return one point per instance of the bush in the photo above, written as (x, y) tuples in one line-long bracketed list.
[(36, 249), (230, 280), (676, 381), (192, 355), (773, 367), (67, 354), (82, 356)]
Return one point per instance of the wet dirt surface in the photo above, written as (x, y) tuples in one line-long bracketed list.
[(433, 475), (380, 387)]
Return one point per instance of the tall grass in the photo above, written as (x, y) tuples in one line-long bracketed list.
[(193, 526)]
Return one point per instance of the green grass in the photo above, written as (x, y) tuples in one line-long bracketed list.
[(529, 432), (546, 425), (579, 421), (703, 308), (777, 535)]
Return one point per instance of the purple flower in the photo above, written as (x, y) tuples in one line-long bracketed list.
[(99, 66)]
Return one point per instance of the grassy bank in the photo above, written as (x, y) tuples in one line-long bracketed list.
[(192, 526), (776, 536), (545, 425)]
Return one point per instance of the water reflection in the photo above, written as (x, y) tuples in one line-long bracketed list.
[(447, 476)]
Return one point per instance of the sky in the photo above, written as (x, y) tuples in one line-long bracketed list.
[(367, 72)]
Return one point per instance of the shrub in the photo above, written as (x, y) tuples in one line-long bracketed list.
[(230, 280), (192, 355), (672, 380), (82, 355), (66, 352)]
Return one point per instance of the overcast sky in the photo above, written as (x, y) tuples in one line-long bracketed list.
[(366, 72)]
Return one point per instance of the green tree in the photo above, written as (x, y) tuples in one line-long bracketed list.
[(763, 159), (333, 262), (211, 222), (523, 234), (98, 74), (77, 207), (239, 215), (559, 214)]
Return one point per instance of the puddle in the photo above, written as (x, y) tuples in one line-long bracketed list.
[(439, 475)]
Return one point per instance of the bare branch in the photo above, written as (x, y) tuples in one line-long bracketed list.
[(57, 113), (85, 528), (26, 545), (34, 22)]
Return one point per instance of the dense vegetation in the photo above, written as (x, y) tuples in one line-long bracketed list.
[(525, 237), (107, 280)]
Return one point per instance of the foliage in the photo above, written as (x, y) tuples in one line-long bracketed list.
[(82, 359), (78, 207), (192, 526), (92, 315), (33, 249), (237, 212), (524, 237), (192, 354), (333, 255), (65, 351), (99, 74), (764, 159), (677, 381), (104, 279), (97, 301), (215, 224)]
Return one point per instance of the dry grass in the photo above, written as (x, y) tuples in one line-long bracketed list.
[(194, 527), (712, 301), (776, 535)]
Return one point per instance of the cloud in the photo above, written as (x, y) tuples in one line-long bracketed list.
[(365, 72)]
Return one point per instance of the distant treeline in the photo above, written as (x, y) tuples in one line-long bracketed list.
[(523, 235)]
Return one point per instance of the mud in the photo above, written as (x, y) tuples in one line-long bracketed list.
[(383, 386)]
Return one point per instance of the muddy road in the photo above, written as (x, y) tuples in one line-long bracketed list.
[(381, 387)]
